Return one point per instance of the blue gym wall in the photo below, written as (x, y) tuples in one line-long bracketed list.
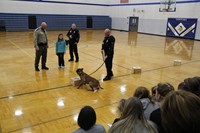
[(19, 22)]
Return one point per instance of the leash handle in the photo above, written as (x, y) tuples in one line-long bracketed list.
[(103, 55)]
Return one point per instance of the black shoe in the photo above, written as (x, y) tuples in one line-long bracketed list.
[(70, 60), (107, 78), (37, 69), (77, 61), (45, 68), (112, 75)]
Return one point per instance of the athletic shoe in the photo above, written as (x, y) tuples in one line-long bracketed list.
[(107, 78), (45, 68), (70, 60), (37, 69)]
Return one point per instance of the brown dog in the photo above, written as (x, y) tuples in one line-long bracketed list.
[(86, 79)]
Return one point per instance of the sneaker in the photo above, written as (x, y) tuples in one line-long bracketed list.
[(45, 68), (37, 69), (107, 78), (62, 66), (112, 75), (70, 60)]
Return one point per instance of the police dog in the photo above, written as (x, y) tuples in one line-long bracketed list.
[(86, 79)]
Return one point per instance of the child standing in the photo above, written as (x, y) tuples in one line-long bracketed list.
[(60, 50)]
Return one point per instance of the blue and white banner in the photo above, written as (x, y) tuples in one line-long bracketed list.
[(181, 27)]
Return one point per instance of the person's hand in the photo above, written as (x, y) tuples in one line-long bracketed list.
[(37, 48), (104, 58), (70, 36)]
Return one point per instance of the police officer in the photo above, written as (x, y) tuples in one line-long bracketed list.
[(41, 45), (108, 52), (74, 36)]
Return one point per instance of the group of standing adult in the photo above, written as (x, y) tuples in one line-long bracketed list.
[(41, 46)]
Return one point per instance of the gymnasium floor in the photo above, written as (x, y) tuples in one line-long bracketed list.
[(45, 101)]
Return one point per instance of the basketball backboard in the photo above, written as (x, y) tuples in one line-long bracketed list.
[(167, 6)]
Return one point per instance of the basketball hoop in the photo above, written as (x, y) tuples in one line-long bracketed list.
[(164, 10), (167, 6)]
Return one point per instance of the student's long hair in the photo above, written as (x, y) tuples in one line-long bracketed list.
[(121, 106), (131, 116), (180, 112)]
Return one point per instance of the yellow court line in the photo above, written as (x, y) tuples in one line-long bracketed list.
[(20, 48)]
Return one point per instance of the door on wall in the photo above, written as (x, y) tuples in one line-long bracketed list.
[(2, 25), (133, 24), (89, 22), (32, 22)]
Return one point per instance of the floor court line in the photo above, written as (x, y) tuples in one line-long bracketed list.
[(32, 92), (60, 87), (95, 108), (20, 48), (59, 118)]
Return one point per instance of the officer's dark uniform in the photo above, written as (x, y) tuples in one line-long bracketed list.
[(41, 43), (108, 47), (74, 33)]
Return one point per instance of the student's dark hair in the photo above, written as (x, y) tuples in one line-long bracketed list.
[(59, 38), (87, 118), (191, 85), (180, 112), (142, 92), (164, 88), (153, 90)]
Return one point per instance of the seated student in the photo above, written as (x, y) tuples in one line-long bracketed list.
[(87, 120), (162, 90), (148, 105), (180, 112), (133, 120), (120, 109), (191, 85)]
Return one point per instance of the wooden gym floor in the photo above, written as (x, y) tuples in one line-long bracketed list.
[(45, 101)]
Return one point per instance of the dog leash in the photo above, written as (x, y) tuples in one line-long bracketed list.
[(104, 58), (97, 69)]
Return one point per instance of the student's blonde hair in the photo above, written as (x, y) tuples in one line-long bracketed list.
[(131, 115)]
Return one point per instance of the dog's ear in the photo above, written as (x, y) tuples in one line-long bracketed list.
[(81, 69)]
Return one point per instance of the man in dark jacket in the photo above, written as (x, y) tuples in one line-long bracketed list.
[(74, 36), (108, 52)]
